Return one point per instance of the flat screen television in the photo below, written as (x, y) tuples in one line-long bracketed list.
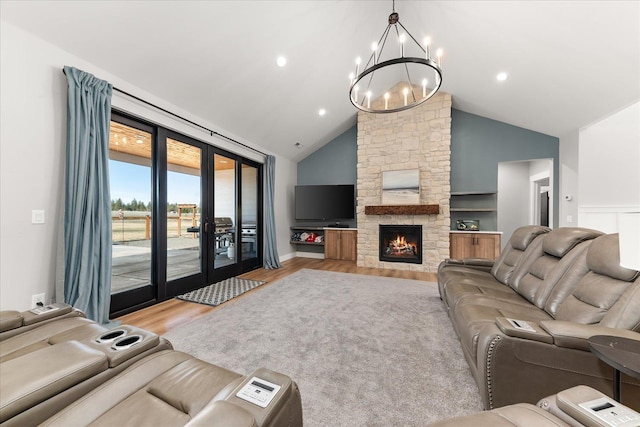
[(325, 202)]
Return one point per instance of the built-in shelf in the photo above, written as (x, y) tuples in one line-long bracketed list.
[(318, 229), (481, 206), (473, 193), (402, 210), (297, 242), (472, 210)]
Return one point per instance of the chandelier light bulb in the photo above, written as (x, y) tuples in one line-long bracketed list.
[(358, 61), (405, 92), (386, 101), (424, 87), (369, 99), (356, 88), (427, 43), (374, 47), (439, 53), (352, 77), (281, 61), (402, 39)]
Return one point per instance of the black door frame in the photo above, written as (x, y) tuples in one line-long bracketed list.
[(159, 289)]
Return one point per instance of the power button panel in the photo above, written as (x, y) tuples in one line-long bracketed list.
[(258, 391)]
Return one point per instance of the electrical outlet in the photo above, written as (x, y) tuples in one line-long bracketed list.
[(37, 298)]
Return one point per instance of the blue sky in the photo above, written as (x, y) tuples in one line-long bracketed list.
[(129, 181)]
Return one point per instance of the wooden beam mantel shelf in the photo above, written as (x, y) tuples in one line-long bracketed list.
[(402, 210)]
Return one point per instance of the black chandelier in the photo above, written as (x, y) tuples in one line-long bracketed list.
[(401, 82)]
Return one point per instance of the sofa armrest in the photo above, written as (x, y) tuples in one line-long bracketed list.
[(475, 263), (576, 335), (47, 372), (222, 413), (58, 309), (10, 319), (509, 329)]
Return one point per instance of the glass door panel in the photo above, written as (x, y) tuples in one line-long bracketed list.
[(249, 206), (131, 208), (184, 208), (225, 201)]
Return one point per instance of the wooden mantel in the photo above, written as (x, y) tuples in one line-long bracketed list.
[(402, 210)]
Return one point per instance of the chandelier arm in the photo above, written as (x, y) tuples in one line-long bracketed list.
[(413, 38), (413, 94), (384, 42), (385, 33)]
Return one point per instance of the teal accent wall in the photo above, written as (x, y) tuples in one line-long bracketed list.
[(333, 164), (478, 144)]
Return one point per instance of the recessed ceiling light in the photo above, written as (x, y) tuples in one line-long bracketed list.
[(322, 112), (281, 61), (502, 77)]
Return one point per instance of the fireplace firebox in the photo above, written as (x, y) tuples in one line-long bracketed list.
[(401, 243)]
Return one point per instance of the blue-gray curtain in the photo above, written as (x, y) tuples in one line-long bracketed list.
[(87, 208), (271, 259)]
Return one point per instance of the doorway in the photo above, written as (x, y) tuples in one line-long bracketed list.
[(185, 214)]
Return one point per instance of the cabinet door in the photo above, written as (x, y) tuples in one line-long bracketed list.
[(331, 248), (348, 245), (461, 246), (487, 246)]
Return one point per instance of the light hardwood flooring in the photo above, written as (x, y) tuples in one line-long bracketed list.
[(167, 315)]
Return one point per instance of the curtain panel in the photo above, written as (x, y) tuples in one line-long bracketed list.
[(87, 207), (271, 258)]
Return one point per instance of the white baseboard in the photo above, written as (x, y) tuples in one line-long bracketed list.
[(310, 255)]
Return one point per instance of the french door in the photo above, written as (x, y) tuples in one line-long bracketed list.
[(185, 214)]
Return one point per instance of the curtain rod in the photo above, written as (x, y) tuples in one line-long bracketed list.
[(211, 132)]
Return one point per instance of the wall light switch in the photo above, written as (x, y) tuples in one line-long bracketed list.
[(37, 217), (569, 218)]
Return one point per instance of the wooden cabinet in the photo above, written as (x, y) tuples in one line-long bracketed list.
[(474, 245), (340, 244)]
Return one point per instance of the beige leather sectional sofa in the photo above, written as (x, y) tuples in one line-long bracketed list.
[(61, 369), (567, 285)]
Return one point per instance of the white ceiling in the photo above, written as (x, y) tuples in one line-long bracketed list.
[(570, 62)]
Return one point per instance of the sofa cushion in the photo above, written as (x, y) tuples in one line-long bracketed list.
[(514, 250), (608, 294), (518, 415), (604, 258), (166, 388), (561, 240)]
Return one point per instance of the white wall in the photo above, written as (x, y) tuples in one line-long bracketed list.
[(513, 197), (568, 216), (609, 165), (32, 135)]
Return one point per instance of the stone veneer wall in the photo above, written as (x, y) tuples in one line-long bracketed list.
[(419, 138)]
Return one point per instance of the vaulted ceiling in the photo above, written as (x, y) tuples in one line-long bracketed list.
[(569, 62)]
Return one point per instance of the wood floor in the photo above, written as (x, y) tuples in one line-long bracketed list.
[(170, 314)]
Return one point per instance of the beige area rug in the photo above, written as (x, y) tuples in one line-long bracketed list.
[(364, 350)]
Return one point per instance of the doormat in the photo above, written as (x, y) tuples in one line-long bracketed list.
[(221, 292)]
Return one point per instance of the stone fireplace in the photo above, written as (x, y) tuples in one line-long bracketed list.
[(418, 138), (401, 243)]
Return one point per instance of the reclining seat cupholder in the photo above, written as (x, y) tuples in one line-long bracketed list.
[(126, 342), (111, 336)]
